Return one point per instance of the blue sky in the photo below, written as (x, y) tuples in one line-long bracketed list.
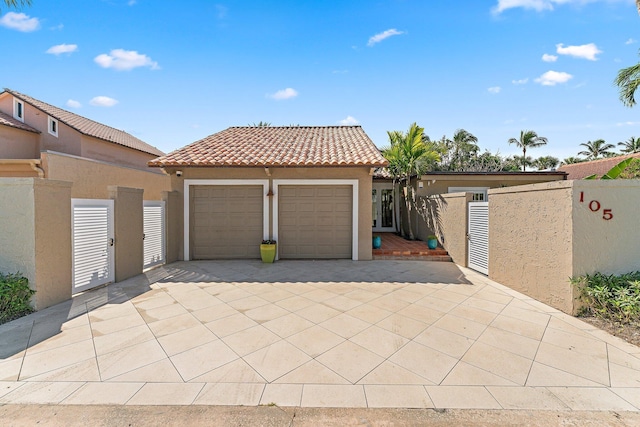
[(171, 73)]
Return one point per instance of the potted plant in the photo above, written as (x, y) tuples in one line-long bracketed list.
[(377, 242), (432, 241), (268, 250)]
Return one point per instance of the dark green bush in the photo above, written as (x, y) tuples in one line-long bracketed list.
[(15, 295), (611, 297)]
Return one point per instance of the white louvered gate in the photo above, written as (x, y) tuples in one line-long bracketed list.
[(154, 232), (93, 252), (478, 236)]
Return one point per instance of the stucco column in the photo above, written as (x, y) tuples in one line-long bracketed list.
[(173, 224), (129, 231)]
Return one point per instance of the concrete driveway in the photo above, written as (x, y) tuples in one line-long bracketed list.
[(404, 334)]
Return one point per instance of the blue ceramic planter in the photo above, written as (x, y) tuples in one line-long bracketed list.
[(377, 242), (432, 243)]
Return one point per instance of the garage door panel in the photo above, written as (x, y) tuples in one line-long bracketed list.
[(315, 221), (227, 222)]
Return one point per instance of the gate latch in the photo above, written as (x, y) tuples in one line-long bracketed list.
[(111, 241)]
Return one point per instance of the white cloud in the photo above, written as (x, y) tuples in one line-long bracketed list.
[(349, 121), (552, 78), (120, 59), (383, 35), (630, 41), (520, 82), (131, 2), (58, 27), (73, 103), (585, 51), (62, 48), (222, 11), (287, 93), (540, 5), (628, 124), (103, 101), (549, 58), (494, 89), (20, 22)]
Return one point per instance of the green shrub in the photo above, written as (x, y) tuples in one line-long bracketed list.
[(611, 297), (15, 295)]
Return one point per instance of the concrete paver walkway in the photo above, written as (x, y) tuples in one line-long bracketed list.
[(315, 334)]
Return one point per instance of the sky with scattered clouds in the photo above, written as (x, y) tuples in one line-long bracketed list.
[(172, 73)]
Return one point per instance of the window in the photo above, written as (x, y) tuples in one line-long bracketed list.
[(479, 193), (53, 126), (18, 110)]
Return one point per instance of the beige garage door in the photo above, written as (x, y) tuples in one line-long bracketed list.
[(226, 221), (314, 221)]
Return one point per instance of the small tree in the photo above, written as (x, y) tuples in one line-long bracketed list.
[(410, 154), (528, 139)]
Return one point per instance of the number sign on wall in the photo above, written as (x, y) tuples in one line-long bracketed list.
[(594, 206)]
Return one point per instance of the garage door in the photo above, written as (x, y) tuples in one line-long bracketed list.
[(226, 221), (314, 221)]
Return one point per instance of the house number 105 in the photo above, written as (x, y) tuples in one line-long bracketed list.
[(594, 206)]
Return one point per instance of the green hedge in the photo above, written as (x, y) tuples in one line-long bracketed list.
[(614, 297), (15, 295)]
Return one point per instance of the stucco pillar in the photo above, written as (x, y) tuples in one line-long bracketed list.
[(35, 236), (129, 231), (173, 224)]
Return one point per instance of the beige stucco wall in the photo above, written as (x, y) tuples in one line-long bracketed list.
[(608, 246), (530, 241), (447, 215), (91, 178), (17, 233), (129, 231), (52, 242), (174, 225), (18, 144), (35, 236), (359, 173), (96, 149)]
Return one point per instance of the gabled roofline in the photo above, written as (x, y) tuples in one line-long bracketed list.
[(24, 97)]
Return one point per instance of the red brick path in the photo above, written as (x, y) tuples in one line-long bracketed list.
[(395, 247)]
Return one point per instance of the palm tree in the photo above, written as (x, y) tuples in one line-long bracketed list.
[(17, 3), (528, 139), (410, 154), (464, 145), (596, 149), (546, 162), (632, 145), (628, 79), (572, 160)]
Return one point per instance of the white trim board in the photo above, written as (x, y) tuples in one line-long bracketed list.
[(354, 205), (194, 182)]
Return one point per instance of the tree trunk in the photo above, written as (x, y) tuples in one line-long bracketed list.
[(408, 198)]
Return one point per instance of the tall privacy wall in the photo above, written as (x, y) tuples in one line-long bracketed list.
[(35, 237), (541, 235)]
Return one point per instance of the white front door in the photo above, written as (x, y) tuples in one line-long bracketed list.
[(383, 207)]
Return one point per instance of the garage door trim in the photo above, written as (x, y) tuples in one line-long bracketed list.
[(354, 206), (193, 182)]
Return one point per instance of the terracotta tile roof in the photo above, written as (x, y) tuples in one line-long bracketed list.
[(89, 127), (7, 120), (598, 167), (279, 146)]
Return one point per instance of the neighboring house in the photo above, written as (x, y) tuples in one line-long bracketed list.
[(29, 127), (309, 188), (595, 167), (90, 209), (434, 183)]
